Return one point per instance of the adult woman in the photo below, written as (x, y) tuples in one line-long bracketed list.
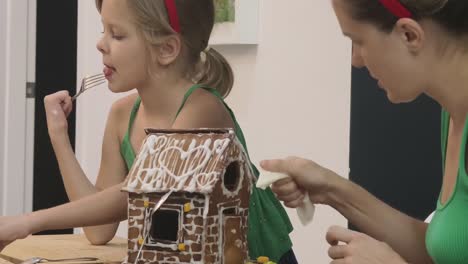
[(411, 47)]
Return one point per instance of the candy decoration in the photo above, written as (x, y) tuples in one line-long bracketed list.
[(181, 247), (187, 207)]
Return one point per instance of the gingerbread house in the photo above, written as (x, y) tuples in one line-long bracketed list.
[(189, 198)]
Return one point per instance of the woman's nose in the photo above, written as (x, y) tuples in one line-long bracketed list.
[(356, 59)]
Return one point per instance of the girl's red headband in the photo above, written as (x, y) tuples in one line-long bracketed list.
[(173, 15)]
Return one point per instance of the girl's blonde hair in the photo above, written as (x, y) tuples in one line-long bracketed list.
[(196, 18)]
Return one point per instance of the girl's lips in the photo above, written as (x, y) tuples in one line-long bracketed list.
[(108, 71)]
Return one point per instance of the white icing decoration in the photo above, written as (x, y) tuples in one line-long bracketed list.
[(207, 206), (238, 243), (176, 169)]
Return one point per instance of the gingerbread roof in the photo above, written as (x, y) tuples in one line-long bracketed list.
[(182, 161)]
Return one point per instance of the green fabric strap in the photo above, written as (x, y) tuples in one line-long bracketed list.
[(126, 148)]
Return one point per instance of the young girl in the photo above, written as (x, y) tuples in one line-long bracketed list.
[(158, 47), (411, 47)]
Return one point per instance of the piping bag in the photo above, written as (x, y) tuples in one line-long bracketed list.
[(305, 211)]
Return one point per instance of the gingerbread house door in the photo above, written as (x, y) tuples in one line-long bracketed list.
[(233, 251)]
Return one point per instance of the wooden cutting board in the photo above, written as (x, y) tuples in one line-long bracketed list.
[(65, 246)]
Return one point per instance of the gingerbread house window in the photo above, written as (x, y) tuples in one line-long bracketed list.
[(165, 226), (230, 211), (232, 176)]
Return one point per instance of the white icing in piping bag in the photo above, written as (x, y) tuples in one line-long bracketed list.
[(305, 211)]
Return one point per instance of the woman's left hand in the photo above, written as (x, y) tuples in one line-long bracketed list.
[(351, 247)]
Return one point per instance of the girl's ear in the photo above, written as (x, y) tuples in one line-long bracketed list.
[(411, 33), (168, 50)]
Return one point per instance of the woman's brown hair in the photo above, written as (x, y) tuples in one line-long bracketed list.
[(452, 15)]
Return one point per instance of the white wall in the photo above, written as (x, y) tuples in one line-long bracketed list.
[(292, 97), (93, 106), (2, 88), (13, 61)]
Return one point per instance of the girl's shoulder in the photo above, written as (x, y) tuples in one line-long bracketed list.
[(120, 112), (203, 110), (123, 106)]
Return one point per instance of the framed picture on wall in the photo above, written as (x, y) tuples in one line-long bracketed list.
[(236, 22)]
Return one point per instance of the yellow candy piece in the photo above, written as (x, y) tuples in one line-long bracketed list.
[(140, 241), (263, 259), (271, 262), (187, 207), (181, 247), (146, 203)]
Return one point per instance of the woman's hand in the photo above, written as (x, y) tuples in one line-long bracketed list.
[(305, 176), (13, 228), (347, 246), (58, 106)]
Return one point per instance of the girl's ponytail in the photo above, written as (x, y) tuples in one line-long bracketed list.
[(216, 71)]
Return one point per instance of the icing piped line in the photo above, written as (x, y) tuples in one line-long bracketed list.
[(174, 168)]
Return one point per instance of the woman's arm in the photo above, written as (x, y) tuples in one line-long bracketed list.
[(347, 246), (404, 234)]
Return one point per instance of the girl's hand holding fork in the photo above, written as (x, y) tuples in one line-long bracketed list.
[(58, 107)]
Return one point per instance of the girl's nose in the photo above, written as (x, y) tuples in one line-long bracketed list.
[(100, 45)]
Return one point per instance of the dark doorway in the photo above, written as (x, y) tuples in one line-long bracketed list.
[(395, 150), (55, 71)]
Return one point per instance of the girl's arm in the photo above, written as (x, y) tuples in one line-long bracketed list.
[(107, 206), (77, 185), (104, 207)]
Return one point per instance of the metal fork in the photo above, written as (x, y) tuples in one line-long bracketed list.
[(42, 260), (89, 82)]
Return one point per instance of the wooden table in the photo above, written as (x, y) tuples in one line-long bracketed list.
[(64, 246), (4, 261)]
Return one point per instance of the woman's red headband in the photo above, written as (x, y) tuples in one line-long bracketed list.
[(396, 8)]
